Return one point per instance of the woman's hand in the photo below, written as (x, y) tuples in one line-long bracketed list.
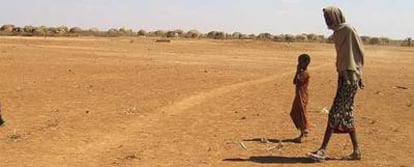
[(361, 84)]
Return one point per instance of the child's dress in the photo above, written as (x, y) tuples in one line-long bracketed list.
[(299, 110)]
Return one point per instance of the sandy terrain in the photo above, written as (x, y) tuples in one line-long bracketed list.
[(134, 102)]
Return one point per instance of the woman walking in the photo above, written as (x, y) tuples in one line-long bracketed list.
[(349, 63)]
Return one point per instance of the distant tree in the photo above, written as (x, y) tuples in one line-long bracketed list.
[(365, 39), (385, 41), (375, 41)]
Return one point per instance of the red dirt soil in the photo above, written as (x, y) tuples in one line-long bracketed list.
[(134, 102)]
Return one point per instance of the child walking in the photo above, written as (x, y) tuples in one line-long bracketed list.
[(299, 107)]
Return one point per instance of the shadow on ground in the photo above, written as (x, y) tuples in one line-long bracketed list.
[(272, 160), (273, 140)]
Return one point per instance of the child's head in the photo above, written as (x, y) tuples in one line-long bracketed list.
[(303, 61)]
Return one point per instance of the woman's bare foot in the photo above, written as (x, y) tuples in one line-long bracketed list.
[(318, 156), (355, 156)]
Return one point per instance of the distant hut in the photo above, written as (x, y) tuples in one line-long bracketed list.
[(179, 32), (265, 36), (75, 30), (125, 31), (252, 36), (172, 34), (142, 33), (93, 31), (236, 35), (301, 38), (62, 29), (41, 30), (113, 32), (18, 29), (159, 33), (52, 30), (212, 34), (28, 29), (289, 38), (217, 35), (7, 28), (193, 34)]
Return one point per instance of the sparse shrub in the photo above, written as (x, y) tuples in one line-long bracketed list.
[(407, 42), (365, 39), (314, 37), (374, 41), (385, 41)]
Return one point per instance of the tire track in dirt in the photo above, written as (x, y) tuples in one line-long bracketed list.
[(182, 105), (97, 149)]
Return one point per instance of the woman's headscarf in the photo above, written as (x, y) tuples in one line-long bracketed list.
[(335, 16), (349, 48)]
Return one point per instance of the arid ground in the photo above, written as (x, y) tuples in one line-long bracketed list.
[(134, 102)]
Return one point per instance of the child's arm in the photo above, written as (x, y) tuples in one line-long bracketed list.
[(302, 78)]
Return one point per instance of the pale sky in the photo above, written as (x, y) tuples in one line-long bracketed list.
[(389, 18)]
